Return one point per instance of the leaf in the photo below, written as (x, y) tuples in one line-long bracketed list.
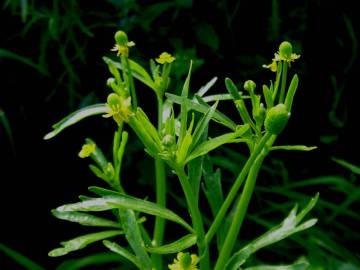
[(233, 90), (192, 105), (202, 125), (203, 89), (293, 147), (289, 226), (115, 199), (205, 33), (85, 219), (183, 103), (4, 53), (81, 242), (19, 258), (90, 260), (137, 71), (175, 247), (214, 143), (295, 266), (122, 252), (75, 117), (355, 169)]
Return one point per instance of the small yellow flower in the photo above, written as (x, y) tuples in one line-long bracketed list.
[(165, 58), (123, 49), (87, 150), (272, 66), (185, 261), (118, 107)]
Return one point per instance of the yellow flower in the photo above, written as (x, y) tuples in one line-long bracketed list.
[(185, 261), (123, 49), (272, 66), (119, 108), (165, 58), (284, 54), (87, 150)]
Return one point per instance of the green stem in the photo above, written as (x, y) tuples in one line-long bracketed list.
[(160, 194), (196, 218), (129, 81), (240, 211), (235, 188), (283, 82)]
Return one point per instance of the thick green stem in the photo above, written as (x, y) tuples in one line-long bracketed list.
[(235, 188), (160, 194), (283, 81), (196, 219), (240, 211)]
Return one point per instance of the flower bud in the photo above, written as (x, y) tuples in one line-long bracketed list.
[(285, 50), (276, 119), (121, 38), (168, 140), (249, 85)]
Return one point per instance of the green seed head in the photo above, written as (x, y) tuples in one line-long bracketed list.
[(113, 100), (285, 50), (276, 119), (249, 85), (121, 38), (168, 140)]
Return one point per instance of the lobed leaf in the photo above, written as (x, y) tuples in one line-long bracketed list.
[(122, 252)]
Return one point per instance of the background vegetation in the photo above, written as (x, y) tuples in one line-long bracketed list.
[(51, 63)]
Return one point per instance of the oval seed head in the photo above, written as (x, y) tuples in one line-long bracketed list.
[(249, 85), (276, 119), (285, 50), (121, 38), (113, 100), (168, 140)]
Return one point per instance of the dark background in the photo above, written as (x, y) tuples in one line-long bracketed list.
[(228, 38)]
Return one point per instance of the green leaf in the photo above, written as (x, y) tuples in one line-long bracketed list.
[(214, 143), (91, 261), (81, 242), (233, 90), (137, 71), (192, 105), (355, 169), (4, 53), (195, 167), (303, 265), (19, 258), (268, 97), (183, 103), (204, 89), (122, 252), (291, 92), (293, 147), (75, 117), (133, 236), (205, 33), (175, 247), (289, 226), (202, 125), (93, 205), (85, 219), (114, 200)]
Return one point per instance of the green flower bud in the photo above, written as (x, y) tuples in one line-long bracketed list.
[(168, 140), (285, 50), (276, 119), (110, 82), (121, 38), (249, 85)]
